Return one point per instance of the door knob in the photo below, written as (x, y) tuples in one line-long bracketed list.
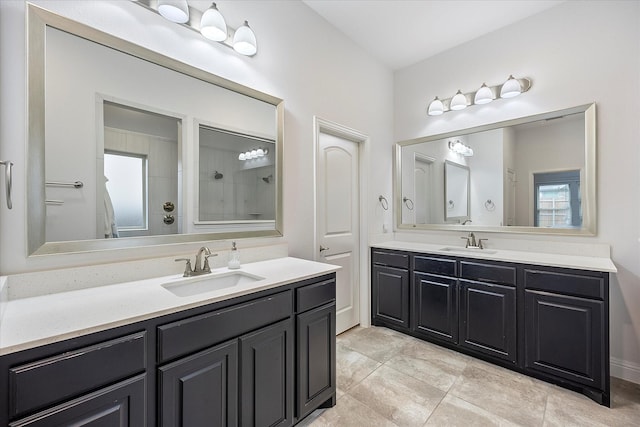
[(322, 248)]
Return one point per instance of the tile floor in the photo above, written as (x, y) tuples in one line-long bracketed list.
[(389, 379)]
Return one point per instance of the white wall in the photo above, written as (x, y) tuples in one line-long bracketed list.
[(575, 53), (486, 166), (301, 59)]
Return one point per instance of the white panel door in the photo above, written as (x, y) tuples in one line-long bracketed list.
[(338, 222)]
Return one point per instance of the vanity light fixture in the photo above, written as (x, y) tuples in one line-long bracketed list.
[(174, 10), (244, 40), (213, 25), (484, 95), (210, 24)]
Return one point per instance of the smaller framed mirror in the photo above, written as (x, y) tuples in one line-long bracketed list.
[(456, 192)]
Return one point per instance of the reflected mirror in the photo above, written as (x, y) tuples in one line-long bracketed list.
[(129, 148), (529, 175)]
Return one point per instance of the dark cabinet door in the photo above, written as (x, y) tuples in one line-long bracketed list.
[(564, 337), (390, 297), (266, 376), (120, 405), (201, 389), (488, 319), (435, 307), (316, 343)]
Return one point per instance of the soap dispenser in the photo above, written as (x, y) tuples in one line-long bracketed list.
[(234, 257)]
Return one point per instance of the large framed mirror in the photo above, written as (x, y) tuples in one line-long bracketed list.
[(535, 174), (130, 148)]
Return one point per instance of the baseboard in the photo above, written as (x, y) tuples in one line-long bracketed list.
[(628, 371)]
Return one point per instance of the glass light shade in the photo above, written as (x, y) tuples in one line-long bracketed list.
[(244, 40), (174, 10), (247, 155), (436, 107), (254, 154), (242, 157), (260, 152), (212, 24), (458, 102), (510, 88), (483, 95)]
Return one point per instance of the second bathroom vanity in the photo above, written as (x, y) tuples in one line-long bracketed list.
[(545, 315)]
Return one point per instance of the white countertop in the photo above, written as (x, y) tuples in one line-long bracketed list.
[(39, 320), (552, 260)]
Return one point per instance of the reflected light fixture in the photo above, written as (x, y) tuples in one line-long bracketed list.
[(460, 148), (254, 153), (244, 40), (210, 24), (484, 95), (174, 10), (213, 25)]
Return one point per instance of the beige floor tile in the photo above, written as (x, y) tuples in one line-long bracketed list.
[(377, 343), (430, 363), (456, 412), (352, 367), (349, 412), (400, 398), (515, 397), (566, 408)]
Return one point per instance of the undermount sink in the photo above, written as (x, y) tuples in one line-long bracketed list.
[(189, 286), (468, 250)]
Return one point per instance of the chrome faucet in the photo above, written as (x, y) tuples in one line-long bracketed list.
[(199, 268), (471, 242), (466, 221)]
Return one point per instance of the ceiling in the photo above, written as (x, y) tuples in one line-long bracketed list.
[(400, 33)]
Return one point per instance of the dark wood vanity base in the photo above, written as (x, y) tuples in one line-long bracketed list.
[(546, 322), (263, 359)]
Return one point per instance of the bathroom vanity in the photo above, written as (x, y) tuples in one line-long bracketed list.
[(257, 354), (543, 315)]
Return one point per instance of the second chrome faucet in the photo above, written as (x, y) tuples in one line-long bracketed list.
[(471, 242)]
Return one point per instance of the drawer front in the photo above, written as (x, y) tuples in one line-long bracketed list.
[(58, 378), (199, 332), (315, 295), (491, 273), (565, 283), (391, 259), (433, 265)]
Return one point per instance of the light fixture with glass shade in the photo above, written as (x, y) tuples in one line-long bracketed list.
[(484, 95), (436, 107), (241, 156), (210, 23), (511, 88), (458, 102), (213, 25), (174, 10), (244, 40)]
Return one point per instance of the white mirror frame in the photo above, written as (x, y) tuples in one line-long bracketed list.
[(588, 187), (38, 20)]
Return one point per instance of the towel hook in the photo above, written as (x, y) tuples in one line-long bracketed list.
[(489, 205), (384, 202), (408, 203)]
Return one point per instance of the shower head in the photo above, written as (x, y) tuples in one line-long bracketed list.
[(267, 179)]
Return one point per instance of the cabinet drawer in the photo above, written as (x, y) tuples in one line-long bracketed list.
[(63, 376), (199, 332), (492, 273), (391, 259), (432, 265), (565, 283), (315, 295)]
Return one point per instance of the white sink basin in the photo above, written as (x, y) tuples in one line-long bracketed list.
[(189, 286), (468, 250)]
